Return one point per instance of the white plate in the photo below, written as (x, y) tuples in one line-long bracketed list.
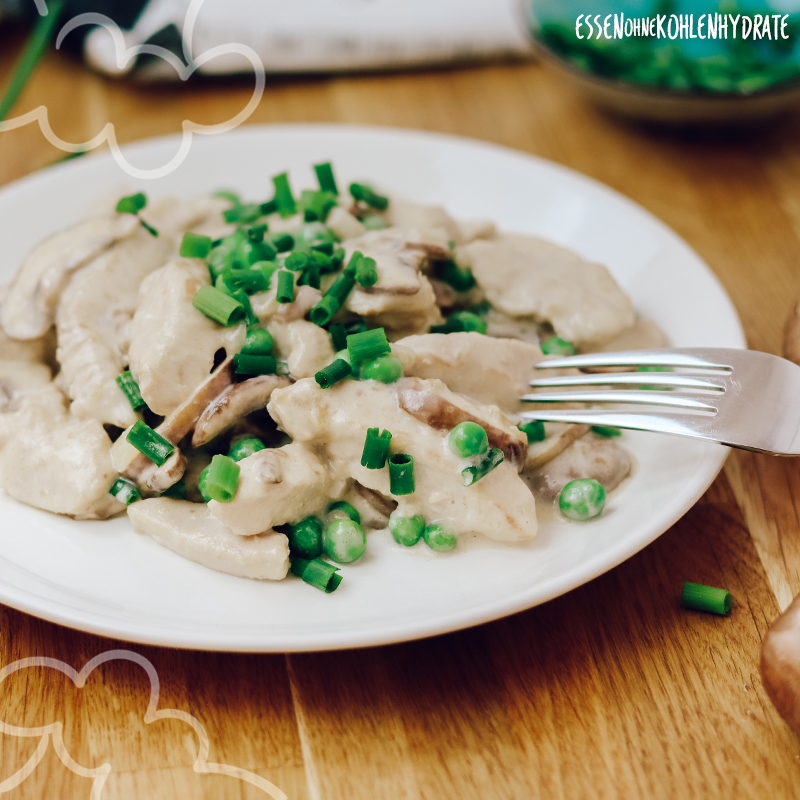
[(104, 578)]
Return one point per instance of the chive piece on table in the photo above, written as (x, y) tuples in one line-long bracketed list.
[(317, 573), (368, 345), (194, 245), (125, 492), (360, 192), (376, 449), (401, 474), (217, 305), (37, 44), (333, 373), (222, 479), (245, 364), (286, 205), (285, 287), (128, 384), (149, 443), (491, 460), (327, 182), (706, 598)]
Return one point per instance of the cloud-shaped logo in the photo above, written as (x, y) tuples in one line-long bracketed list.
[(54, 731), (125, 56)]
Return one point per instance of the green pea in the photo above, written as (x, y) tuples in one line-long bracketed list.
[(555, 346), (344, 507), (468, 439), (534, 430), (468, 321), (201, 484), (582, 499), (258, 343), (305, 538), (344, 541), (386, 369), (242, 448), (438, 538), (406, 530)]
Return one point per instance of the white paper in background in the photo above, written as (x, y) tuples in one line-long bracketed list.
[(331, 35)]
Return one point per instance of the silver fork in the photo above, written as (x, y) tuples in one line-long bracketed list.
[(739, 398)]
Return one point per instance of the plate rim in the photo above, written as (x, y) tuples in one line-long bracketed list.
[(102, 624)]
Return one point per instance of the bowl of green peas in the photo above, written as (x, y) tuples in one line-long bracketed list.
[(698, 73)]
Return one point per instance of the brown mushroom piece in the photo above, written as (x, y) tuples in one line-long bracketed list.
[(588, 457), (233, 403), (431, 402), (780, 664), (190, 530)]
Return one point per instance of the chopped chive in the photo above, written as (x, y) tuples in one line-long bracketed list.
[(356, 327), (249, 280), (368, 345), (360, 192), (125, 492), (194, 245), (333, 373), (285, 287), (341, 287), (352, 264), (270, 207), (323, 311), (231, 197), (244, 364), (282, 242), (31, 55), (286, 205), (249, 212), (706, 598), (366, 272), (149, 443), (376, 449), (218, 306), (460, 322), (317, 573), (222, 479), (128, 384), (149, 228), (606, 432), (534, 430), (296, 262), (337, 257), (305, 538), (242, 448), (338, 335), (327, 183), (316, 205), (177, 491), (557, 346), (268, 269), (461, 279), (346, 508), (401, 474), (201, 484), (311, 277), (255, 233), (482, 308), (323, 247), (244, 301), (258, 343), (473, 474), (132, 204)]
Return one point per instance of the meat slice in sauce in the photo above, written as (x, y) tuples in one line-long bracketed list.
[(335, 421), (173, 345), (192, 532), (529, 277)]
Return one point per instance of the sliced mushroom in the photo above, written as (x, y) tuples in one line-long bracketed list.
[(233, 403), (559, 437), (529, 277), (173, 345), (190, 530), (373, 507), (588, 457), (29, 308), (431, 402), (335, 421), (276, 486)]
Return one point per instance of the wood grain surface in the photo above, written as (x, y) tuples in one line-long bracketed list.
[(612, 691)]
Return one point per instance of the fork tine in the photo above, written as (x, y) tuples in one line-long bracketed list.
[(639, 398), (634, 358), (660, 379)]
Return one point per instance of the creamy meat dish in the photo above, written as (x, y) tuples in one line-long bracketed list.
[(258, 384)]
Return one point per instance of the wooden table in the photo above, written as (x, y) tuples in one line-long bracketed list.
[(612, 691)]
